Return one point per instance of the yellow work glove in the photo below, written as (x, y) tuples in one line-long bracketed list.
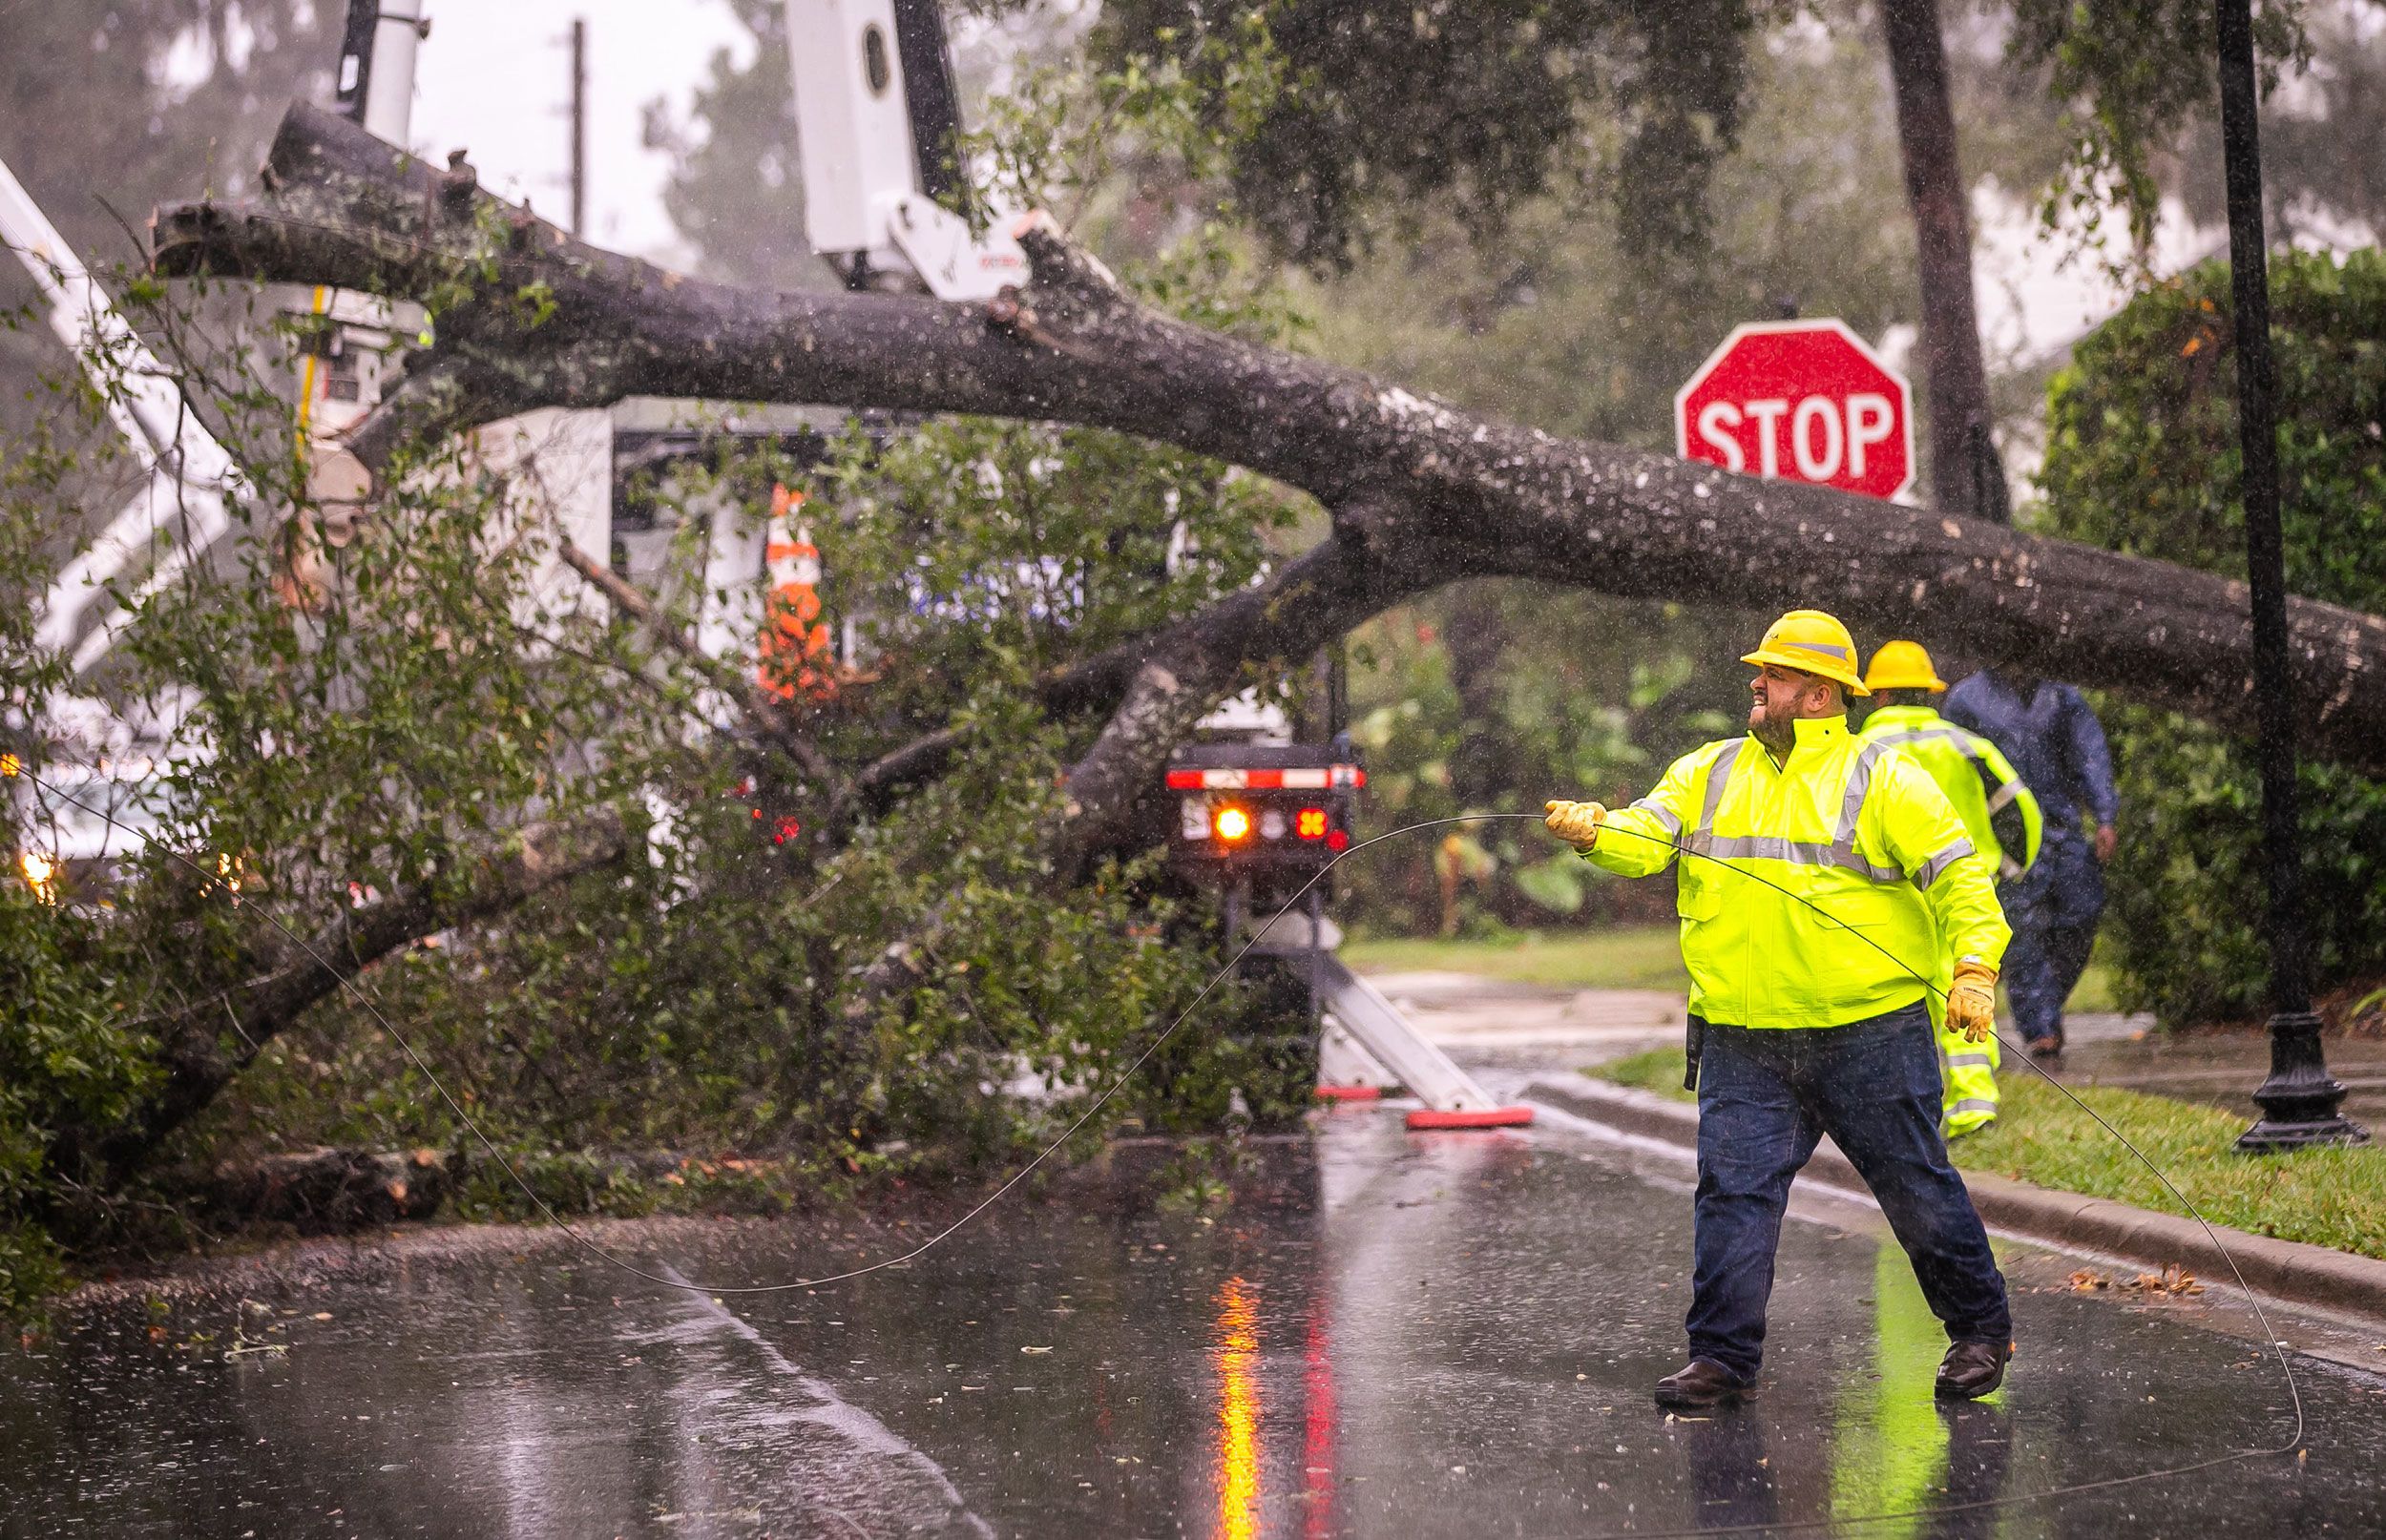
[(1576, 823), (1972, 1001)]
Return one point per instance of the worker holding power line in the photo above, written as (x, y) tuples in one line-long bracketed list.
[(1820, 873), (1999, 816)]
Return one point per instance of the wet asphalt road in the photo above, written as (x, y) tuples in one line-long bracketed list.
[(1436, 1335)]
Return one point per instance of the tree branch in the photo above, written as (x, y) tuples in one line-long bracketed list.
[(1182, 676), (1487, 497), (771, 723), (287, 979)]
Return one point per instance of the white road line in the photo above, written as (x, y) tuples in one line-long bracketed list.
[(832, 1411)]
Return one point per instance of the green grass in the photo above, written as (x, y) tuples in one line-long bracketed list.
[(2331, 1197), (1626, 957), (1659, 1070), (2095, 990)]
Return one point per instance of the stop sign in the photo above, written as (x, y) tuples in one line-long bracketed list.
[(1803, 400)]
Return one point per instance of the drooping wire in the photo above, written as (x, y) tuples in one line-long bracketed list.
[(674, 1281)]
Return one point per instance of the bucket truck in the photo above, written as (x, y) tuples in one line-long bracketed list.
[(880, 146)]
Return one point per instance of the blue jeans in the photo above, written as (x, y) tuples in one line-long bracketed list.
[(1766, 1097)]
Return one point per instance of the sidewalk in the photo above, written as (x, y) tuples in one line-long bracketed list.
[(2217, 1068), (1533, 1025)]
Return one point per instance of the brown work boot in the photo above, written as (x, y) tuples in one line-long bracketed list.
[(1970, 1370), (1704, 1383)]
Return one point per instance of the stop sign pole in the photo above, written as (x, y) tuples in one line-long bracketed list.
[(1801, 401)]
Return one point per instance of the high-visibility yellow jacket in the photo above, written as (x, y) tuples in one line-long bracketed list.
[(1977, 778), (2001, 819), (1857, 830)]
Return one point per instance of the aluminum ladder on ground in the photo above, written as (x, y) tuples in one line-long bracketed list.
[(1368, 1039)]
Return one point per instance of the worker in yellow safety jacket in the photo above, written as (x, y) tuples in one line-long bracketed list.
[(1822, 875), (1999, 814)]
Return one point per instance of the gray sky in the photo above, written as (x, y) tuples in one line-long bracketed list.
[(494, 78)]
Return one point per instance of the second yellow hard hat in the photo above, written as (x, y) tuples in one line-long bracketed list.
[(1812, 642), (1902, 665)]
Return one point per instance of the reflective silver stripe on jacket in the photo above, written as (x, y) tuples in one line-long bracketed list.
[(1973, 1104), (1840, 852), (1860, 786), (1718, 776), (1663, 814), (1791, 852), (2005, 793), (1966, 1061), (1934, 867)]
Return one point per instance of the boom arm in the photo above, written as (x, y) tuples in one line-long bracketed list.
[(878, 131), (190, 472)]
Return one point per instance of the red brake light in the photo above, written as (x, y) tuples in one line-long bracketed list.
[(1310, 824)]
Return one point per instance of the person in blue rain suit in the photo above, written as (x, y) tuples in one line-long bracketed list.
[(2059, 747)]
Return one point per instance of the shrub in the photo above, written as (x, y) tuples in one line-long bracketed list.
[(2143, 457)]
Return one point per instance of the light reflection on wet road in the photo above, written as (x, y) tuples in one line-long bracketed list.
[(1440, 1335)]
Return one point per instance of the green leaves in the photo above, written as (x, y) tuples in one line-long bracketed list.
[(2135, 76), (1556, 884), (2143, 456)]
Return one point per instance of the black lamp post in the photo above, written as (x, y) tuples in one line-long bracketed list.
[(2299, 1100)]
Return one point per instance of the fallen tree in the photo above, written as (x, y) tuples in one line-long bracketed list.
[(1420, 492)]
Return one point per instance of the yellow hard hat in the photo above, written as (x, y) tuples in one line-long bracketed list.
[(1902, 665), (1810, 642)]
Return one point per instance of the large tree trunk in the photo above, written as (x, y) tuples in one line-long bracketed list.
[(1966, 477), (1421, 493)]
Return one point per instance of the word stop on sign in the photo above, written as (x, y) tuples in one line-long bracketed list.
[(1803, 401)]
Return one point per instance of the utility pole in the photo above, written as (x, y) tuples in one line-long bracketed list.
[(579, 126), (2299, 1101)]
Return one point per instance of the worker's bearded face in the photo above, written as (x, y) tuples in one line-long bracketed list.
[(1783, 696)]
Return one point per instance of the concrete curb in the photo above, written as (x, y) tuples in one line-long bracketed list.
[(2292, 1271)]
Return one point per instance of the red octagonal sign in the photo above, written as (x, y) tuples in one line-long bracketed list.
[(1802, 400)]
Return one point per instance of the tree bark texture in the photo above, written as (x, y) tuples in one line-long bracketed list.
[(1966, 477), (1421, 493)]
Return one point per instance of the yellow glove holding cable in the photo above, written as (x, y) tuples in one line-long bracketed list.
[(1972, 1001), (1575, 823)]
